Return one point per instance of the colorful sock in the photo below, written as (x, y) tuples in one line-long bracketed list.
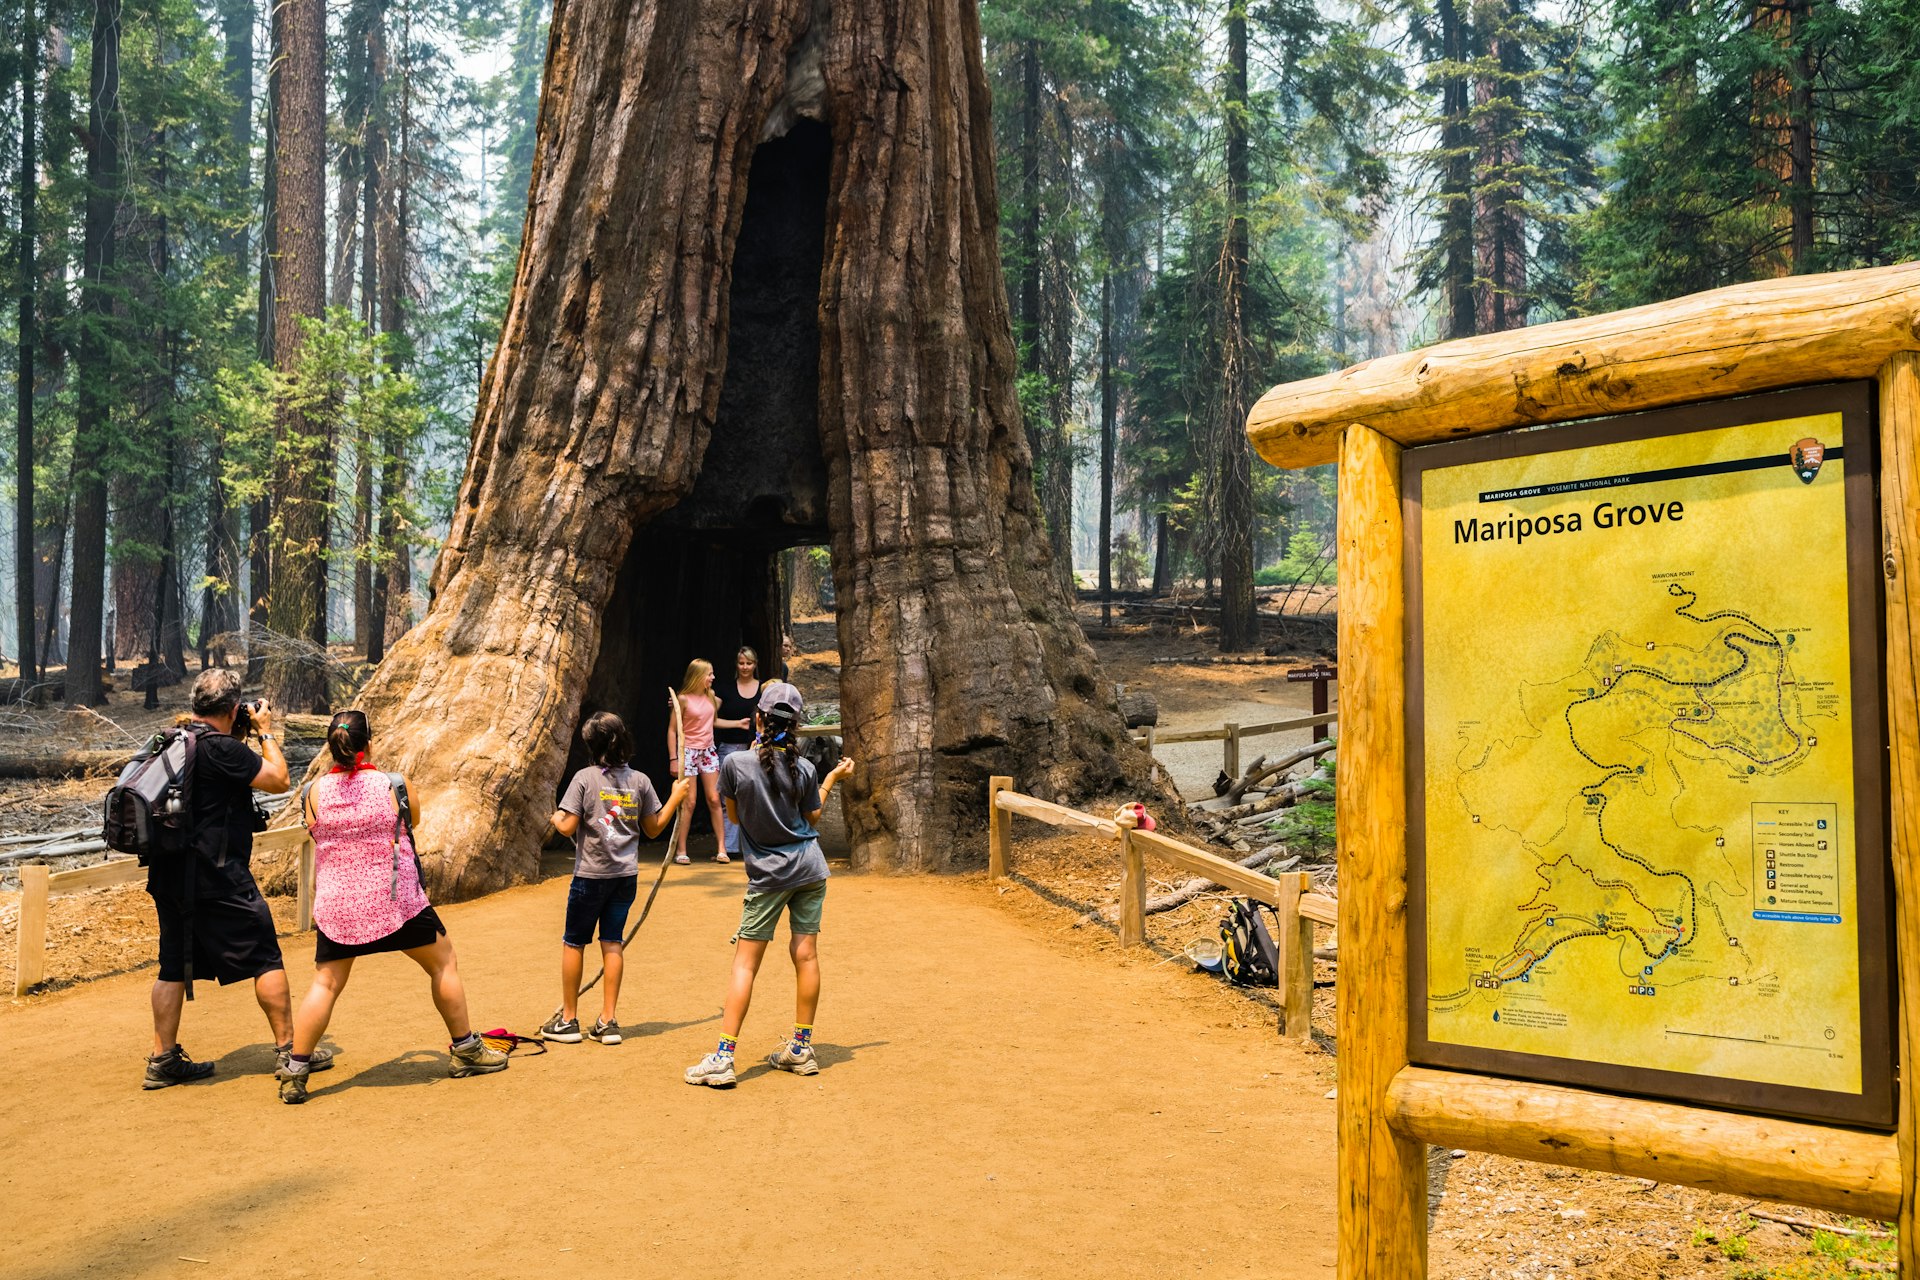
[(802, 1034), (466, 1041), (726, 1046)]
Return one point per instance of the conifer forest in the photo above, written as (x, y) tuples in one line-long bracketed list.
[(260, 255)]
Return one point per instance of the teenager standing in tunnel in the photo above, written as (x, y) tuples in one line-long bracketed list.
[(733, 729)]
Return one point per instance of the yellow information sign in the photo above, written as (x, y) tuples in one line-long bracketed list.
[(1645, 756)]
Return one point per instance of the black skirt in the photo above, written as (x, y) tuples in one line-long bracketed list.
[(417, 932)]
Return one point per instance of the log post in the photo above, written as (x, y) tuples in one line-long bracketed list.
[(303, 910), (999, 821), (1296, 956), (1133, 892), (1231, 752), (1900, 529), (1383, 1175), (32, 963)]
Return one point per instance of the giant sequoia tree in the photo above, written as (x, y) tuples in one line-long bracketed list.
[(811, 187)]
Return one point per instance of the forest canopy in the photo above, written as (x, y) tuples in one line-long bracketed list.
[(259, 260)]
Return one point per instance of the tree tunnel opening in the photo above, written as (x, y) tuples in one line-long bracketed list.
[(702, 578)]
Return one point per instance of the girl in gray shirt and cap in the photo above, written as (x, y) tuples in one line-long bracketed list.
[(772, 797)]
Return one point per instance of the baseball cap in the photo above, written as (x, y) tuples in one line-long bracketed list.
[(780, 698)]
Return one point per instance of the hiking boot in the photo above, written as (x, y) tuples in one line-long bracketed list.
[(715, 1069), (319, 1060), (293, 1085), (795, 1057), (174, 1067), (478, 1059), (565, 1030), (605, 1032)]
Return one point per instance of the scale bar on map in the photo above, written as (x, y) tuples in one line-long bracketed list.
[(1648, 477), (1770, 1044)]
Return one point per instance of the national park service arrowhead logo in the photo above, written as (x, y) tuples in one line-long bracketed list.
[(1805, 459)]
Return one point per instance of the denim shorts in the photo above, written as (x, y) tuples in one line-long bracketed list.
[(605, 902)]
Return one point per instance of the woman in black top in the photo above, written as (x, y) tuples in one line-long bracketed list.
[(733, 721)]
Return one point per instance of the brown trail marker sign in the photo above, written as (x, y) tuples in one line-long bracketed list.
[(1692, 744)]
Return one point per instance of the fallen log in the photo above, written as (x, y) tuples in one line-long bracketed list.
[(1221, 659), (1260, 770), (1278, 798), (62, 764)]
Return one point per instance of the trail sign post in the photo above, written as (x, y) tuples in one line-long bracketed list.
[(1518, 679), (1320, 674)]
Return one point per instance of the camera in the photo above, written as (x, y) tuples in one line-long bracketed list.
[(243, 718)]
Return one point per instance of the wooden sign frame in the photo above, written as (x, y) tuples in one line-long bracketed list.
[(1852, 401), (1767, 336)]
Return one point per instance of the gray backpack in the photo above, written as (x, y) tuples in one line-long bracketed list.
[(148, 811)]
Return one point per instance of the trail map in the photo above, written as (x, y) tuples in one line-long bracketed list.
[(1638, 756)]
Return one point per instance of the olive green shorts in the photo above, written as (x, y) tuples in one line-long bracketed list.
[(762, 911)]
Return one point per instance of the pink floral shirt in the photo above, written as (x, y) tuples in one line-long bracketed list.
[(355, 897)]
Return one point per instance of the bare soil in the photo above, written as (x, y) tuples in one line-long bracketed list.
[(1006, 1089)]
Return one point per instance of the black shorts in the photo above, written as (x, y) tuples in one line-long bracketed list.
[(421, 931), (595, 902), (233, 937)]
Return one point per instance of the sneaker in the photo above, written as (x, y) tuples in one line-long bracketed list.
[(174, 1067), (293, 1085), (319, 1060), (563, 1029), (715, 1069), (605, 1032), (794, 1057), (477, 1059)]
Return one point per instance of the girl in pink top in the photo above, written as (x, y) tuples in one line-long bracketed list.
[(695, 754), (367, 898)]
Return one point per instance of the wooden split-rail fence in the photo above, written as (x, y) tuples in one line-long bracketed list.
[(1230, 736), (39, 884), (1290, 894)]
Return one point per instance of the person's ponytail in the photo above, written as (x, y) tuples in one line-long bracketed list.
[(778, 748), (347, 739)]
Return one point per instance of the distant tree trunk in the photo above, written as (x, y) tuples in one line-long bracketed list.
[(94, 357), (1239, 623), (260, 511), (1162, 554), (392, 582), (24, 547), (303, 473), (1456, 181), (1800, 135), (1499, 195), (961, 656), (1109, 401), (1057, 365), (220, 595)]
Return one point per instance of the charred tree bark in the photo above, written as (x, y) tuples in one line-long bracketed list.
[(1456, 181), (1233, 457), (961, 658), (23, 526)]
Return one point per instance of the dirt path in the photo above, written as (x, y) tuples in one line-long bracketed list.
[(993, 1102)]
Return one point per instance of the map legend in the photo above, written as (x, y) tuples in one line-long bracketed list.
[(1796, 862)]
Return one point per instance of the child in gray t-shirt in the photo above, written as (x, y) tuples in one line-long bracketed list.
[(607, 808)]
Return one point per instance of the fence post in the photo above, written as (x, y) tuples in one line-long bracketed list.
[(32, 963), (1231, 752), (998, 823), (1296, 956), (303, 890), (1133, 892)]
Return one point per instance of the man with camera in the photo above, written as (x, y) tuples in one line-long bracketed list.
[(214, 923)]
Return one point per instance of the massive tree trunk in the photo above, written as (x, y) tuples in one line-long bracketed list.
[(303, 467), (586, 528)]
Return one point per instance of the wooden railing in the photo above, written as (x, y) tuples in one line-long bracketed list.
[(1232, 735), (39, 884), (1290, 894)]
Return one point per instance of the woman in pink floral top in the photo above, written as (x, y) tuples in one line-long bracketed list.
[(367, 898)]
